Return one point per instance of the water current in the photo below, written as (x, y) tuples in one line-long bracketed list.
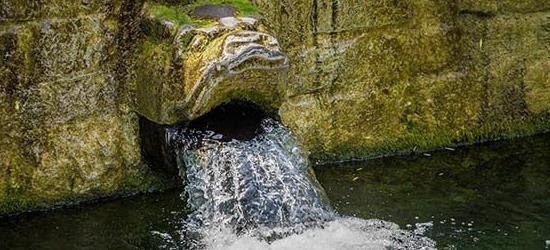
[(263, 194)]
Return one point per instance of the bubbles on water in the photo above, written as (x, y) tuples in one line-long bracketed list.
[(167, 242), (262, 194), (423, 228), (341, 233)]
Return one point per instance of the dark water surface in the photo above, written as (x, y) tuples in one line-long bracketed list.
[(492, 196)]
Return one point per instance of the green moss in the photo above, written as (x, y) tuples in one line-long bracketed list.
[(404, 85), (153, 66), (175, 14), (18, 204), (180, 14), (31, 9), (245, 7), (73, 152), (415, 142), (144, 180), (131, 182)]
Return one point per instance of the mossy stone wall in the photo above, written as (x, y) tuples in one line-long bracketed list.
[(367, 77), (67, 132), (380, 77)]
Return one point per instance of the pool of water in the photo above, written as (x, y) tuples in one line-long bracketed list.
[(490, 196)]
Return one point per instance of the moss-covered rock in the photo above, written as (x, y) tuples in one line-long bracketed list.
[(69, 92), (24, 10), (185, 67), (380, 77), (66, 132), (365, 78)]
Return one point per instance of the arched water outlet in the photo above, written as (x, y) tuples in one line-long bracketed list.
[(187, 73), (235, 120)]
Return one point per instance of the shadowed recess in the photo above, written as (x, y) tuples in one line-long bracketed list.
[(235, 120)]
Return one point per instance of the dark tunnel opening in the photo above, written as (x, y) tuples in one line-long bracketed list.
[(235, 121)]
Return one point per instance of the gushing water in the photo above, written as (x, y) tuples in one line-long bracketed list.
[(262, 194)]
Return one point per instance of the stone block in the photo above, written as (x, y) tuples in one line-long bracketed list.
[(67, 46), (26, 10), (83, 158), (517, 49), (77, 96)]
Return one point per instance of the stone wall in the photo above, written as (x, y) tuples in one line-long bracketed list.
[(367, 77), (379, 77), (67, 132)]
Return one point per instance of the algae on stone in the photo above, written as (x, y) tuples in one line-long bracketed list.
[(381, 77), (183, 70), (65, 131), (365, 78)]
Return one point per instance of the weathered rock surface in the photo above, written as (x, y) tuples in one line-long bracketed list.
[(190, 70), (67, 132), (378, 77), (364, 78)]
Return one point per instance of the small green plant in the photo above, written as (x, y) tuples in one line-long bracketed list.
[(173, 13)]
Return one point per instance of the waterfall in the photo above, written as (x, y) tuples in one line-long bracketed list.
[(263, 194)]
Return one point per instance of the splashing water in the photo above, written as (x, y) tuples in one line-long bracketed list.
[(262, 194)]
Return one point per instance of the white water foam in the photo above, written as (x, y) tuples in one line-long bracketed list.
[(262, 194)]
